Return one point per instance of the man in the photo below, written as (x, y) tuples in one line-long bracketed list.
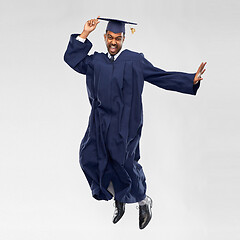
[(109, 151)]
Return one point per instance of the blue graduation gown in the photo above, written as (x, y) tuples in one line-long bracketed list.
[(109, 150)]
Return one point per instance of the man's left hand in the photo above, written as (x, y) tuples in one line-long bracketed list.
[(199, 72)]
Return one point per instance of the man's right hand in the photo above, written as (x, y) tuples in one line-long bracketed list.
[(89, 26)]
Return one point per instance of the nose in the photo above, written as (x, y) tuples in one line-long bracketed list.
[(113, 41)]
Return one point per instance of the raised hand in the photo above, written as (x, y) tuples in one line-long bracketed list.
[(90, 25), (199, 72)]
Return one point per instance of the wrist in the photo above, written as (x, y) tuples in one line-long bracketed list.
[(84, 34)]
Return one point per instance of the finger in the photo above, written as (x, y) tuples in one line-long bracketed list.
[(97, 19), (200, 79), (203, 71), (204, 65), (200, 67)]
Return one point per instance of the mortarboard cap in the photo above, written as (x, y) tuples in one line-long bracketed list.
[(117, 26)]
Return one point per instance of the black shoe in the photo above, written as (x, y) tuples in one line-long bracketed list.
[(145, 213), (119, 211)]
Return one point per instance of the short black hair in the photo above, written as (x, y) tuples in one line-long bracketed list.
[(123, 33)]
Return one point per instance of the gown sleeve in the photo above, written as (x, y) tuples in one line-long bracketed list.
[(76, 55), (169, 80)]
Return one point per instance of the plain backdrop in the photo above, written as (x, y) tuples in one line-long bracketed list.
[(189, 146)]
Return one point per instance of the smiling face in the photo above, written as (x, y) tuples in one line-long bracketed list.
[(114, 41)]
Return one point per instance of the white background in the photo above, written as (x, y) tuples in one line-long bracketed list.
[(189, 143)]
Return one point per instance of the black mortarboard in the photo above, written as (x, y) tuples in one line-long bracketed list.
[(117, 26)]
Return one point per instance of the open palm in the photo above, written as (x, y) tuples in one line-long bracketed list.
[(199, 72)]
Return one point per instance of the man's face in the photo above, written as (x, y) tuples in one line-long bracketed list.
[(114, 41)]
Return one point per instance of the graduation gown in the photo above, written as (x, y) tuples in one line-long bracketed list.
[(109, 150)]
